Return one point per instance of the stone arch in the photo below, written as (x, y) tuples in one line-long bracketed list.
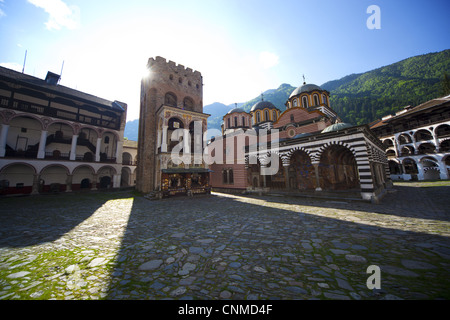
[(430, 168), (426, 147), (17, 178), (23, 136), (444, 146), (423, 135), (170, 99), (388, 143), (442, 131), (410, 166), (407, 151), (55, 122), (288, 155), (301, 170), (105, 176), (53, 178), (188, 104), (319, 152), (404, 138), (126, 175), (27, 115), (338, 169), (127, 158), (83, 177)]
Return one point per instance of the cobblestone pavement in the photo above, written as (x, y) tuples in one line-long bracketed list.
[(118, 245)]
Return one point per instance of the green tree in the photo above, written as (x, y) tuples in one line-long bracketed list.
[(445, 85)]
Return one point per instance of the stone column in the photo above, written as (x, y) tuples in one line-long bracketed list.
[(94, 182), (164, 139), (73, 148), (35, 187), (119, 151), (97, 149), (42, 142), (443, 170), (116, 180), (3, 135), (264, 178), (286, 176), (69, 183), (420, 171), (316, 170)]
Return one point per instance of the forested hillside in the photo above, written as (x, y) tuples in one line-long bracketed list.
[(362, 98)]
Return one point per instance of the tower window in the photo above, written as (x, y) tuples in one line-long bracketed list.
[(266, 115), (274, 115), (295, 102), (170, 99), (304, 102), (292, 118), (258, 117), (235, 122), (316, 100)]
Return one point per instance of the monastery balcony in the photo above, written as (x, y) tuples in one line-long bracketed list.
[(19, 105)]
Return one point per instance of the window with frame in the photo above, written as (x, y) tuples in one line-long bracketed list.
[(227, 176), (304, 102), (316, 100), (170, 99)]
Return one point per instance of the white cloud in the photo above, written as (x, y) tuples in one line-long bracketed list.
[(268, 59), (12, 65), (60, 14)]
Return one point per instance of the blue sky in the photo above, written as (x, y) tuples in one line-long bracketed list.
[(242, 48)]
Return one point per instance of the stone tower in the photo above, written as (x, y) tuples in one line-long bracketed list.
[(168, 91)]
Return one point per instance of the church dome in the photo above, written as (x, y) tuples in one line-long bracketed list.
[(337, 127), (305, 88), (236, 110), (263, 105)]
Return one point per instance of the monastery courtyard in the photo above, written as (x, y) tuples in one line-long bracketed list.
[(120, 245)]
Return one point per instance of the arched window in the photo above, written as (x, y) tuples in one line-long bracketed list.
[(324, 99), (188, 104), (274, 115), (295, 102), (266, 115), (304, 102), (316, 100), (258, 117), (292, 118), (243, 121), (170, 99), (228, 123), (235, 122), (106, 141)]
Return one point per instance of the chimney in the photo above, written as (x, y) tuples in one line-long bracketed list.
[(52, 78)]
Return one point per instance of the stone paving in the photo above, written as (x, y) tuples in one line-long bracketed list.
[(119, 245)]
